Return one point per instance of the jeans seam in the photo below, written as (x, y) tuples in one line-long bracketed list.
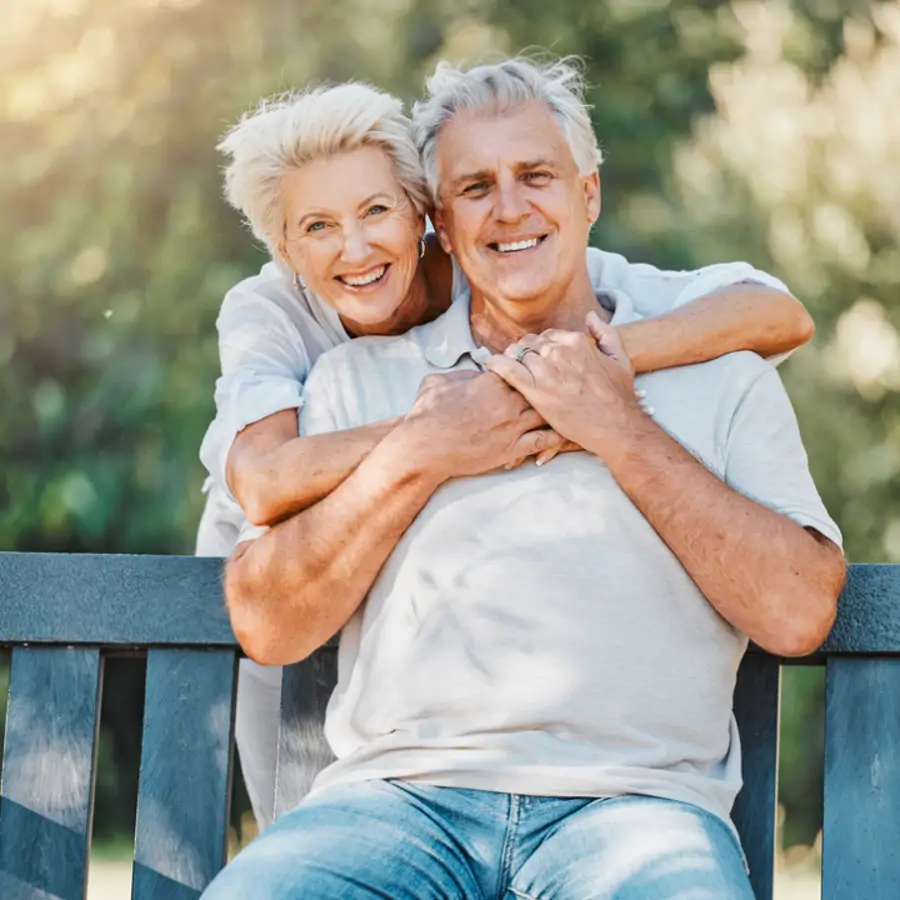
[(508, 842), (521, 895)]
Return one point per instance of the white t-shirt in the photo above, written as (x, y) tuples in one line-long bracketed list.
[(270, 335), (531, 633)]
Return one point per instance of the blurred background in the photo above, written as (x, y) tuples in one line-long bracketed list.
[(733, 130)]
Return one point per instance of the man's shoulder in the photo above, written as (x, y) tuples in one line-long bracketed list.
[(616, 271), (370, 350), (732, 375)]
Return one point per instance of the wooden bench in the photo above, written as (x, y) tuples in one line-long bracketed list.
[(62, 615)]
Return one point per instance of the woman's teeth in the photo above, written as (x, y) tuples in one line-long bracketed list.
[(363, 280)]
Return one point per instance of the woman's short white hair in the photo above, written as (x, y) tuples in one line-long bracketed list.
[(498, 88), (288, 131)]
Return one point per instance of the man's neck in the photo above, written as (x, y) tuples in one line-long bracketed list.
[(496, 323)]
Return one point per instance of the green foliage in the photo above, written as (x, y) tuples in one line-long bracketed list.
[(759, 131)]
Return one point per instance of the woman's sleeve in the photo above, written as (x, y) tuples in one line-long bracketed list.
[(655, 292), (264, 364)]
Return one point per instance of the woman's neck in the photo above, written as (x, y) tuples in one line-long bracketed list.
[(416, 308)]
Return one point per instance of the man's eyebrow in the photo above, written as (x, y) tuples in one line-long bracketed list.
[(481, 175), (539, 163)]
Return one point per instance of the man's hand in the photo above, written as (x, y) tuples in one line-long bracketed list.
[(468, 423), (581, 383)]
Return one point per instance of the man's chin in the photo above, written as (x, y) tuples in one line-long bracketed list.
[(519, 290)]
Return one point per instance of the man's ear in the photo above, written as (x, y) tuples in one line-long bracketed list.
[(592, 195), (440, 229)]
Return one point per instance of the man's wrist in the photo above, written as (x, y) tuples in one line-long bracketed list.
[(621, 442)]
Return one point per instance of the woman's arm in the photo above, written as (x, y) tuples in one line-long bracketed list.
[(738, 317), (274, 473)]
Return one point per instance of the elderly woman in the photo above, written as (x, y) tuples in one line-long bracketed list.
[(331, 182)]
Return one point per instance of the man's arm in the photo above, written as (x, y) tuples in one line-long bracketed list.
[(738, 317), (772, 579), (293, 588), (767, 575)]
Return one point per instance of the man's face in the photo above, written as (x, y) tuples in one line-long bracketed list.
[(513, 207)]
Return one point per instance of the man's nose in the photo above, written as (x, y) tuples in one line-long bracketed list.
[(511, 203)]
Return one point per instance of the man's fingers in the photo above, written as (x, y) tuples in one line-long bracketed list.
[(457, 375), (534, 442), (531, 419), (514, 374)]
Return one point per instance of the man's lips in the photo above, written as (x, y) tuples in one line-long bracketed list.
[(517, 245)]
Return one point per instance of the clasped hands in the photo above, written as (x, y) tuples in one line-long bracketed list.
[(547, 393)]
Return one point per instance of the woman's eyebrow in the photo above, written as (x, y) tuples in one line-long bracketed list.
[(378, 195)]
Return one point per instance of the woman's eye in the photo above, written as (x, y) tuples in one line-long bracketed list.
[(376, 210), (316, 226)]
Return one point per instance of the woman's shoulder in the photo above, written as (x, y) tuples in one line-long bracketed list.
[(269, 299)]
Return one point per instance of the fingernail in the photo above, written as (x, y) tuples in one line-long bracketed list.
[(540, 462), (640, 392), (649, 410)]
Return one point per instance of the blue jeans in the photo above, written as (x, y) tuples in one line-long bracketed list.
[(395, 840)]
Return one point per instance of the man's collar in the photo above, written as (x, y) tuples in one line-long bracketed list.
[(449, 337)]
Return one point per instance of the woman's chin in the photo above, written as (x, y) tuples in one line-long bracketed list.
[(374, 314)]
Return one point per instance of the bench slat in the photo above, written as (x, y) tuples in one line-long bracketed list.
[(757, 702), (49, 755), (862, 779), (114, 600), (302, 749), (185, 780)]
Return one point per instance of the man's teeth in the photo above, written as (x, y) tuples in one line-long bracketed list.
[(362, 280), (518, 245)]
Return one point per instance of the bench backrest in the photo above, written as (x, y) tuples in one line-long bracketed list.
[(63, 614)]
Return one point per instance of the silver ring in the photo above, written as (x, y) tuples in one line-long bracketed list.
[(521, 354)]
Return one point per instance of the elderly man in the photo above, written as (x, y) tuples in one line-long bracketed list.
[(535, 699)]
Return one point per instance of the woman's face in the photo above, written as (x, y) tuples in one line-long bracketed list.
[(352, 234)]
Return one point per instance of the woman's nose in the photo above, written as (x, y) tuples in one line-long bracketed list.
[(356, 247)]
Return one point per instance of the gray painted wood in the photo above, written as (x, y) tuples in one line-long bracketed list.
[(61, 598), (757, 701), (114, 600), (302, 749), (186, 762), (46, 797), (861, 849)]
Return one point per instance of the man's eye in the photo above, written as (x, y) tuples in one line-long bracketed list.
[(376, 210), (537, 177), (477, 187)]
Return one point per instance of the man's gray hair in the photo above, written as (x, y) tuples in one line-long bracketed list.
[(498, 88), (288, 131)]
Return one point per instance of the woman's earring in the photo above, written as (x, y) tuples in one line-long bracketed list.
[(421, 248), (298, 284)]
